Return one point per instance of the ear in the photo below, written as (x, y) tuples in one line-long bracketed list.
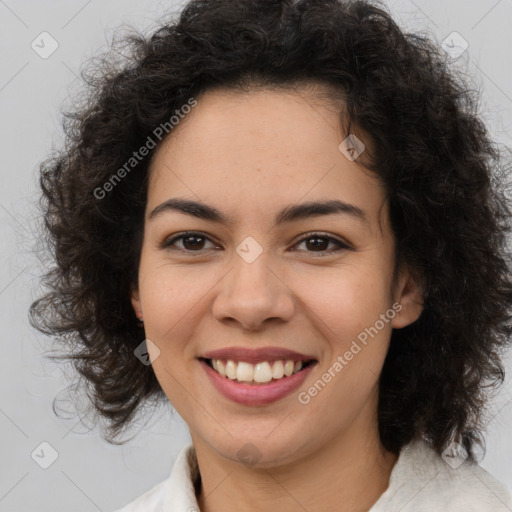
[(135, 300), (409, 294)]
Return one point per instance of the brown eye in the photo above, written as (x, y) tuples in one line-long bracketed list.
[(318, 243), (193, 242), (190, 242)]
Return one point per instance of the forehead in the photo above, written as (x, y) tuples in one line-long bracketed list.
[(261, 148)]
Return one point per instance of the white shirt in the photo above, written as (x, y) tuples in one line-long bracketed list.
[(421, 481)]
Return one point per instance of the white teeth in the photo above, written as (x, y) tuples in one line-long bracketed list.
[(278, 370), (288, 368), (260, 373), (244, 372), (231, 370), (220, 367)]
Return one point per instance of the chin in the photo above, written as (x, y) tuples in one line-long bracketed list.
[(260, 451)]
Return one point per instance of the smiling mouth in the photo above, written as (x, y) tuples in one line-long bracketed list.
[(264, 372)]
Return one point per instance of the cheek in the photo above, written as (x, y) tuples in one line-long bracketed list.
[(173, 298), (170, 291), (346, 299), (353, 307)]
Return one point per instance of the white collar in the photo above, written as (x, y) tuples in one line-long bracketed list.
[(420, 481)]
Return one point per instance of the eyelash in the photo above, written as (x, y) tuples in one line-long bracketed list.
[(342, 246)]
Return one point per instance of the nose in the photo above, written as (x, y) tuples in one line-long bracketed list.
[(253, 294)]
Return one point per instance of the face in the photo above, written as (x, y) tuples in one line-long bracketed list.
[(261, 278)]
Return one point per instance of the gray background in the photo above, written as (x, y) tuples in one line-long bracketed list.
[(89, 474)]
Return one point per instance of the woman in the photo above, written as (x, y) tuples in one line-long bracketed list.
[(286, 218)]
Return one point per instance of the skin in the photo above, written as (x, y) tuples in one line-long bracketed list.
[(249, 155)]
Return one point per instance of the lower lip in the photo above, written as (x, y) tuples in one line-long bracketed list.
[(256, 394)]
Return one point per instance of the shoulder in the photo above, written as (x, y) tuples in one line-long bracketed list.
[(175, 493), (151, 501), (422, 480)]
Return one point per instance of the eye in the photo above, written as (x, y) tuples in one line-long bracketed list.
[(195, 242), (319, 242), (191, 242)]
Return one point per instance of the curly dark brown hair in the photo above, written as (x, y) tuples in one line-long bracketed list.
[(444, 177)]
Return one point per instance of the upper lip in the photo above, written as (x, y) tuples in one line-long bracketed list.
[(256, 355)]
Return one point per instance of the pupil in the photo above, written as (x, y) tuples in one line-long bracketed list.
[(186, 241), (314, 245)]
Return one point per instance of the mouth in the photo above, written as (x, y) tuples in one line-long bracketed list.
[(262, 372), (258, 376)]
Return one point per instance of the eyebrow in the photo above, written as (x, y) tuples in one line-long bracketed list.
[(288, 214)]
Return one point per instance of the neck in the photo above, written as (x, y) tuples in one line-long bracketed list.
[(348, 474)]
